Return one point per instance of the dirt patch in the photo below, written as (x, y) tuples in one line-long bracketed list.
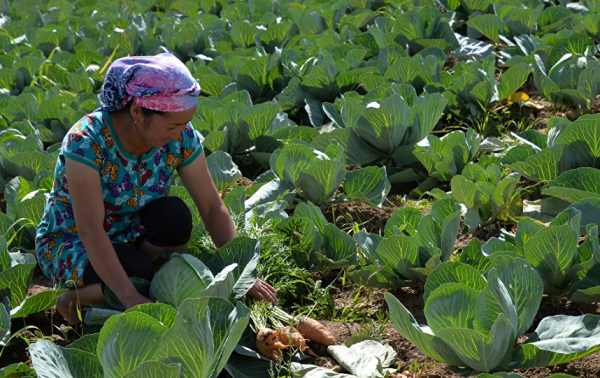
[(39, 283), (482, 233), (358, 303), (594, 107), (346, 215), (451, 62)]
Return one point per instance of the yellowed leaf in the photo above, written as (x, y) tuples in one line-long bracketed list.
[(519, 97)]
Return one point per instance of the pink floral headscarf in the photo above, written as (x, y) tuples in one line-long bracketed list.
[(160, 82)]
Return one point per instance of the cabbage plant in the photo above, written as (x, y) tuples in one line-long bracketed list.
[(446, 157), (570, 74), (424, 27), (473, 87), (316, 176), (25, 202), (233, 125), (375, 128), (567, 146), (509, 21), (554, 252), (194, 340), (397, 67), (315, 243), (16, 274), (228, 273), (474, 321), (22, 154), (483, 192), (412, 246)]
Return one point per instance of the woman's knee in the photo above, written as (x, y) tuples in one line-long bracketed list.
[(168, 222), (143, 268)]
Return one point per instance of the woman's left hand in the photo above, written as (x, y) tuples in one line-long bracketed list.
[(264, 291)]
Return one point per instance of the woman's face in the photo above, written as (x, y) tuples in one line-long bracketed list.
[(157, 130)]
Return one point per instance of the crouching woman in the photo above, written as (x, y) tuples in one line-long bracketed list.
[(109, 215)]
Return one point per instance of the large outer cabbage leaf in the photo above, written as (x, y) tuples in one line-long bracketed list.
[(204, 335), (128, 340), (53, 361), (552, 251), (421, 336), (575, 185), (559, 339), (184, 276), (242, 251)]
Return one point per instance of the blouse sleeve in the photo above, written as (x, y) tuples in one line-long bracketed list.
[(79, 145), (191, 146)]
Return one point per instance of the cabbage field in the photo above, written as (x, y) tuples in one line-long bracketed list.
[(422, 176)]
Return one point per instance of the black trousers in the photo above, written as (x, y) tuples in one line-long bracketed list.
[(168, 223)]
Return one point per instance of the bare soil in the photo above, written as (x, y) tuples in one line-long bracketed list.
[(345, 215), (372, 219)]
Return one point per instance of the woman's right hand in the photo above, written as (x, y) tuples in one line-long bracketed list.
[(134, 300)]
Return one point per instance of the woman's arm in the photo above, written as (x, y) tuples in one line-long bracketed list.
[(88, 208), (196, 179)]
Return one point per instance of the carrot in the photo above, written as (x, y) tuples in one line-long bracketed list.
[(273, 355), (298, 341), (284, 335), (268, 344), (315, 331)]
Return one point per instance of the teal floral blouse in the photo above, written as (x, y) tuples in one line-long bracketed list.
[(127, 186)]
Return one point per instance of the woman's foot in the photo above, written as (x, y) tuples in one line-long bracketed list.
[(66, 306)]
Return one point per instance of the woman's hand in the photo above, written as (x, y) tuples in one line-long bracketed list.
[(134, 300), (264, 291)]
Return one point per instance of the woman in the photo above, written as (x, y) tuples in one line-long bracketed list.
[(109, 214)]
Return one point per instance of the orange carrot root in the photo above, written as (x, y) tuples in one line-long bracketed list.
[(268, 344), (315, 331), (299, 342), (284, 336)]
